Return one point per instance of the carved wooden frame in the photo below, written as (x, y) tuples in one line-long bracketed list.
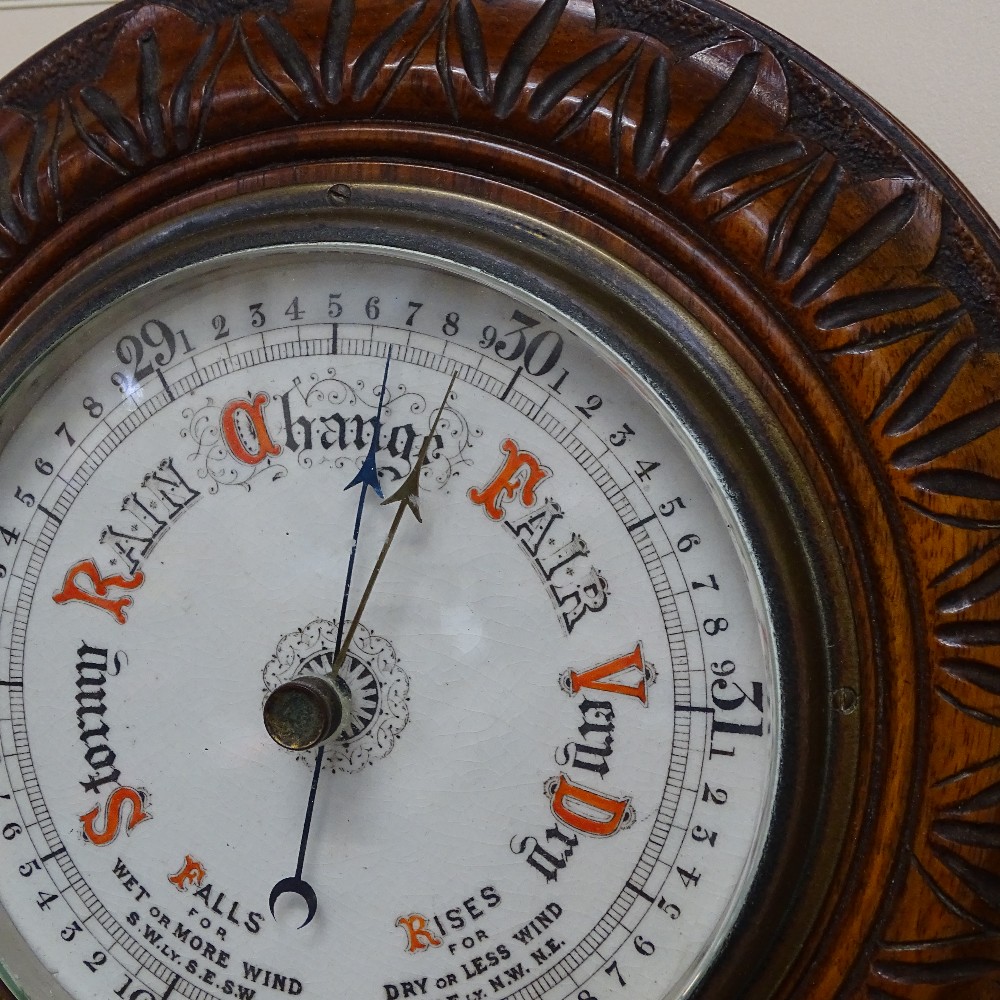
[(850, 277)]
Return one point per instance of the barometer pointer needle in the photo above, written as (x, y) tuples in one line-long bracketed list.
[(367, 477), (407, 497)]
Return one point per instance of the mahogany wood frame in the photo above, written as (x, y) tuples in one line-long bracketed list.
[(844, 270)]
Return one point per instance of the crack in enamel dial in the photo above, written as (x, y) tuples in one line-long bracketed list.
[(559, 769)]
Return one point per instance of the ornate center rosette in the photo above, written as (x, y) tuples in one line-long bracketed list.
[(377, 686)]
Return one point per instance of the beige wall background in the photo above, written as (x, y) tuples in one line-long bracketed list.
[(932, 63)]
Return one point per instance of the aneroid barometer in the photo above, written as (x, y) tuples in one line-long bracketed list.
[(498, 501)]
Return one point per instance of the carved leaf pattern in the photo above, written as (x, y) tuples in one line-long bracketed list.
[(513, 75), (96, 143), (789, 209), (473, 46), (183, 92), (685, 151), (115, 125), (150, 112), (374, 57), (656, 107), (338, 31), (30, 194), (291, 57), (559, 84)]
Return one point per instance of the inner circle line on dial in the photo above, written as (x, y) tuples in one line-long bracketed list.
[(369, 347)]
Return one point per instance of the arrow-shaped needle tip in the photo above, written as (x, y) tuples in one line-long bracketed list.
[(408, 493), (368, 473)]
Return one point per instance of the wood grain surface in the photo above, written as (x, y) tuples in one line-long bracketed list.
[(835, 260)]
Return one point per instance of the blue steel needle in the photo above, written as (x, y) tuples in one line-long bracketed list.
[(366, 478)]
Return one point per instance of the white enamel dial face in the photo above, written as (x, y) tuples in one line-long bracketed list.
[(561, 752)]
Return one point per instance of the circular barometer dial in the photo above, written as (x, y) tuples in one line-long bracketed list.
[(496, 501), (560, 730)]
